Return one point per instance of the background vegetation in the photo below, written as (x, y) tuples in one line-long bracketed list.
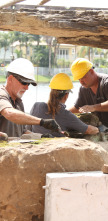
[(45, 53)]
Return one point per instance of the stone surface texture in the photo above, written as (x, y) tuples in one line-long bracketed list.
[(23, 169), (78, 26)]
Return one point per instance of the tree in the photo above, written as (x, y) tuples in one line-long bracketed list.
[(4, 42), (41, 56), (12, 40), (35, 38), (49, 41), (100, 62), (18, 37), (62, 63), (86, 51), (18, 52), (26, 40), (56, 49)]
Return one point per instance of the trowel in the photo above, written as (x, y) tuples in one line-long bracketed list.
[(103, 128)]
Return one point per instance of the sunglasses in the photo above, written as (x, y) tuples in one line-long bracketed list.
[(22, 82)]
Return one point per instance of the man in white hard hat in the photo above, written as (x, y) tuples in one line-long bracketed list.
[(20, 73)]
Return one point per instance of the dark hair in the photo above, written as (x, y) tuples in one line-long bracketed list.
[(54, 101)]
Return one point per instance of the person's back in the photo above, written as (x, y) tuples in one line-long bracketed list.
[(63, 117), (41, 109), (61, 85)]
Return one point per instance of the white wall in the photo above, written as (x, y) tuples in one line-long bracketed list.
[(81, 196)]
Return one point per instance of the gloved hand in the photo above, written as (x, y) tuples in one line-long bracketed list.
[(50, 124)]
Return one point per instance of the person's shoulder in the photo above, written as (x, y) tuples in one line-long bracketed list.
[(3, 91), (39, 108), (67, 115), (103, 78), (40, 104), (83, 89)]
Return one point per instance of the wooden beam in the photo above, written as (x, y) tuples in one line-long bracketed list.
[(74, 26), (43, 2)]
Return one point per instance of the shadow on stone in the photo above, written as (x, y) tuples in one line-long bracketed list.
[(36, 218)]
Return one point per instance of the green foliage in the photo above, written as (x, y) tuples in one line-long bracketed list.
[(41, 56), (35, 38), (100, 62), (46, 56), (2, 78), (84, 51), (4, 42), (62, 63), (19, 53)]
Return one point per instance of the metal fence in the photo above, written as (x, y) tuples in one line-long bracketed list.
[(45, 71), (102, 70)]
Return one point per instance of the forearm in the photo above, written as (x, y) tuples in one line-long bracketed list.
[(19, 117), (74, 110), (102, 107)]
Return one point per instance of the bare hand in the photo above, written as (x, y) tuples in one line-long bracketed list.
[(87, 109), (3, 136), (92, 130)]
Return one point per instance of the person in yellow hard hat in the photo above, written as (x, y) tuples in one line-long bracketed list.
[(61, 86), (20, 73), (93, 94)]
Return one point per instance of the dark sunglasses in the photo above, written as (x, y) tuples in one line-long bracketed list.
[(22, 82)]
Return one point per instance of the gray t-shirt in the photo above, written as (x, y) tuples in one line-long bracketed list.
[(64, 118), (6, 126), (87, 97)]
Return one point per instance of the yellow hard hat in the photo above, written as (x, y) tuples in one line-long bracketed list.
[(80, 67), (61, 81)]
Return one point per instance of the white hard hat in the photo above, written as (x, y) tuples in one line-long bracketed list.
[(23, 68)]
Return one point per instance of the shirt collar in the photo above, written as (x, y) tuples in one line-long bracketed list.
[(62, 104)]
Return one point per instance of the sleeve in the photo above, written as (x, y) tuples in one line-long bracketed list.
[(79, 101), (4, 103), (32, 112), (74, 123), (105, 89)]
